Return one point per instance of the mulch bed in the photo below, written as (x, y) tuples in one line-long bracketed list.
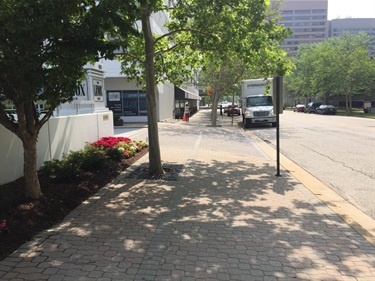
[(27, 218)]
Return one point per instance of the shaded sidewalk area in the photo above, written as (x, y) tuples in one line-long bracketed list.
[(226, 217)]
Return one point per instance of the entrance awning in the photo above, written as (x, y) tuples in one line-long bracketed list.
[(182, 94)]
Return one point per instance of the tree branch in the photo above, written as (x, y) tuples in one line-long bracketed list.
[(171, 33), (160, 52), (45, 118), (131, 56)]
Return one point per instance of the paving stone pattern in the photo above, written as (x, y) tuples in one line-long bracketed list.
[(226, 218)]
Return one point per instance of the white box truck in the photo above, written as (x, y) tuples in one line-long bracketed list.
[(256, 102)]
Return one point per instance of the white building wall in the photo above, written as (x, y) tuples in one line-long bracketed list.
[(158, 21), (11, 160), (89, 96), (120, 84), (166, 101), (115, 81), (58, 136)]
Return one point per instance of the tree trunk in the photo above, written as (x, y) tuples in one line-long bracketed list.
[(28, 131), (215, 102), (30, 169), (155, 166), (346, 103), (27, 128), (214, 111)]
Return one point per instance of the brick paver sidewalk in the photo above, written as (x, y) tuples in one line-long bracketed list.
[(227, 217)]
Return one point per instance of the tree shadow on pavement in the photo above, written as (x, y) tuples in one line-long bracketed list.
[(245, 224)]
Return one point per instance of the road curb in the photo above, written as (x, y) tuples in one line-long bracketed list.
[(354, 217)]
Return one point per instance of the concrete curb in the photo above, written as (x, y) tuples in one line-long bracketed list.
[(354, 217)]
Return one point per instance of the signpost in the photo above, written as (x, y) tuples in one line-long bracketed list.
[(278, 92)]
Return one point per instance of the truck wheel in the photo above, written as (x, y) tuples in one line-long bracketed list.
[(247, 123), (274, 124)]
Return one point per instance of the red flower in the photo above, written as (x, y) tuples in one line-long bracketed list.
[(127, 154), (108, 142)]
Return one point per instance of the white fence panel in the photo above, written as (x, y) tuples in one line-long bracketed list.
[(60, 135)]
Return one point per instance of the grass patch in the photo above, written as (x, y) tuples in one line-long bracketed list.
[(355, 113)]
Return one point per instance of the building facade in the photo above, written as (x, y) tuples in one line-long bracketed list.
[(306, 19), (338, 27), (128, 100)]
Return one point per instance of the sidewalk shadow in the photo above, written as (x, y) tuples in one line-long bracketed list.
[(243, 223)]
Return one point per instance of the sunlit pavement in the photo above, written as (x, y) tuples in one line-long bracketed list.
[(227, 217)]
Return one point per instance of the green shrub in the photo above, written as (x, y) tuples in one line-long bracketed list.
[(62, 170), (50, 167), (68, 172), (92, 158), (115, 154), (72, 166)]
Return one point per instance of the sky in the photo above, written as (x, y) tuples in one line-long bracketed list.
[(351, 9)]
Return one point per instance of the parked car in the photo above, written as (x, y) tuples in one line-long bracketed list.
[(326, 109), (233, 110), (299, 108), (311, 107), (223, 106)]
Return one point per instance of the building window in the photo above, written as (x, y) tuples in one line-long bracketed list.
[(127, 103), (319, 11), (303, 11), (303, 18)]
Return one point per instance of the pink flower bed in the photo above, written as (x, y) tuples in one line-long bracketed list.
[(108, 142)]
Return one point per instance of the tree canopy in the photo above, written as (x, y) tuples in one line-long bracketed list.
[(40, 61), (196, 33), (337, 66), (253, 52), (43, 48)]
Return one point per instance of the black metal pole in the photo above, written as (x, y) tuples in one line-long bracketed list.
[(278, 82), (233, 108)]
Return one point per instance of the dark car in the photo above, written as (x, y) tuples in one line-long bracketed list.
[(299, 108), (311, 107), (326, 109), (233, 110)]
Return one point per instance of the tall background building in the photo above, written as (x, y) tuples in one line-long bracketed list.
[(307, 19), (354, 26)]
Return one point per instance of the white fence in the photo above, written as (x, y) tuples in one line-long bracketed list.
[(60, 135)]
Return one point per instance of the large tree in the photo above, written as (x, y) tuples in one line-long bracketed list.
[(223, 77), (43, 47), (246, 41), (348, 67), (195, 29), (151, 58), (339, 65)]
